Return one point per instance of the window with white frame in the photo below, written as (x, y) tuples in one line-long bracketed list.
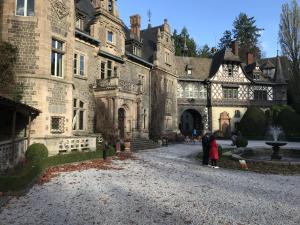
[(109, 69), (230, 93), (79, 22), (79, 64), (102, 72), (57, 58), (25, 7), (57, 124), (78, 115), (110, 36)]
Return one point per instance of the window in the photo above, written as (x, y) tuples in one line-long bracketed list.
[(81, 65), (167, 57), (79, 22), (75, 63), (260, 95), (109, 69), (57, 58), (110, 36), (78, 115), (136, 51), (256, 76), (115, 71), (25, 7), (110, 6), (102, 70), (189, 72), (230, 93), (57, 124)]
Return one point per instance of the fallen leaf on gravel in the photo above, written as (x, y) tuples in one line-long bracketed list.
[(52, 172)]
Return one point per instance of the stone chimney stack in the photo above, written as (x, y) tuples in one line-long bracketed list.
[(250, 58), (235, 48), (135, 26)]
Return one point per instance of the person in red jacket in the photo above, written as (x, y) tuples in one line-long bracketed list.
[(213, 152)]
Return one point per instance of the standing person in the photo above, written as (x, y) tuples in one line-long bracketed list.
[(213, 152), (105, 150), (205, 148)]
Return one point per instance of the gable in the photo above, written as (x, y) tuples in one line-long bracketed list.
[(237, 74)]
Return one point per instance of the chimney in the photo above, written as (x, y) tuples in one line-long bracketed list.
[(235, 48), (135, 25), (250, 58)]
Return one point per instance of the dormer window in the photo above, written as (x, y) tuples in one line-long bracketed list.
[(269, 72), (110, 6), (136, 51), (79, 22)]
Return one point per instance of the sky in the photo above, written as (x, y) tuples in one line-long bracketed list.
[(206, 20)]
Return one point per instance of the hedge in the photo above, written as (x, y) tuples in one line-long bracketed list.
[(253, 123), (289, 121), (26, 175)]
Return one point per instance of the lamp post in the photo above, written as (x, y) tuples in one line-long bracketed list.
[(208, 103)]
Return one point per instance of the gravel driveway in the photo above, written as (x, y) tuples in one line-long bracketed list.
[(164, 186)]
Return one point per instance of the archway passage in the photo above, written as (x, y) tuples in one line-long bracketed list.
[(190, 120), (121, 122)]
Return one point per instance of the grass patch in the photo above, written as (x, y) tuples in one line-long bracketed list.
[(21, 178)]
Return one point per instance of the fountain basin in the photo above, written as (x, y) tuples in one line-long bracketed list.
[(289, 157), (276, 143)]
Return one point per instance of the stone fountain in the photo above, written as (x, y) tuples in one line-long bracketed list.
[(276, 131)]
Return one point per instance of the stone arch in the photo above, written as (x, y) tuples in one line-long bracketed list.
[(191, 119)]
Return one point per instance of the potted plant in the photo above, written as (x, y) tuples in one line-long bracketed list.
[(127, 143)]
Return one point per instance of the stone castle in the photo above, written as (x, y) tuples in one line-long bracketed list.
[(75, 53)]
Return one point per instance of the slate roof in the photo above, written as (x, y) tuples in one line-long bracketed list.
[(200, 67), (86, 8)]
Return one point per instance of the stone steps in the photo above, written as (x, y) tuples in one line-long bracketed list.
[(138, 144)]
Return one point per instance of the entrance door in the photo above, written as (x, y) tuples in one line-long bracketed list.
[(121, 122)]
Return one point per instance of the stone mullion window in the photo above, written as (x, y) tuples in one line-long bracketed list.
[(78, 115), (25, 7), (102, 72), (79, 65), (57, 58), (109, 69)]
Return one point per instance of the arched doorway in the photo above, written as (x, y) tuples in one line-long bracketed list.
[(190, 120), (121, 122)]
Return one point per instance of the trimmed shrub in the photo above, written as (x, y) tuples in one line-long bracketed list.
[(253, 123), (289, 120), (36, 153), (241, 142)]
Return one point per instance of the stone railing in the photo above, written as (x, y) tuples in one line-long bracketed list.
[(6, 153), (128, 86), (77, 144), (116, 83)]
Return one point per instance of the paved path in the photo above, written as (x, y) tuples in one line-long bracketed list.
[(165, 187)]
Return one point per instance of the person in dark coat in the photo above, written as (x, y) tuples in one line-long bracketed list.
[(205, 148)]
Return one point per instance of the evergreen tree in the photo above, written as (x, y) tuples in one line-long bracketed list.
[(180, 40), (205, 52), (247, 34), (225, 41)]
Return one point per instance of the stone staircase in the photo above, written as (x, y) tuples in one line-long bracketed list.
[(138, 144)]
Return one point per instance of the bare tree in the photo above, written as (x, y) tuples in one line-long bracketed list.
[(289, 38), (104, 123)]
